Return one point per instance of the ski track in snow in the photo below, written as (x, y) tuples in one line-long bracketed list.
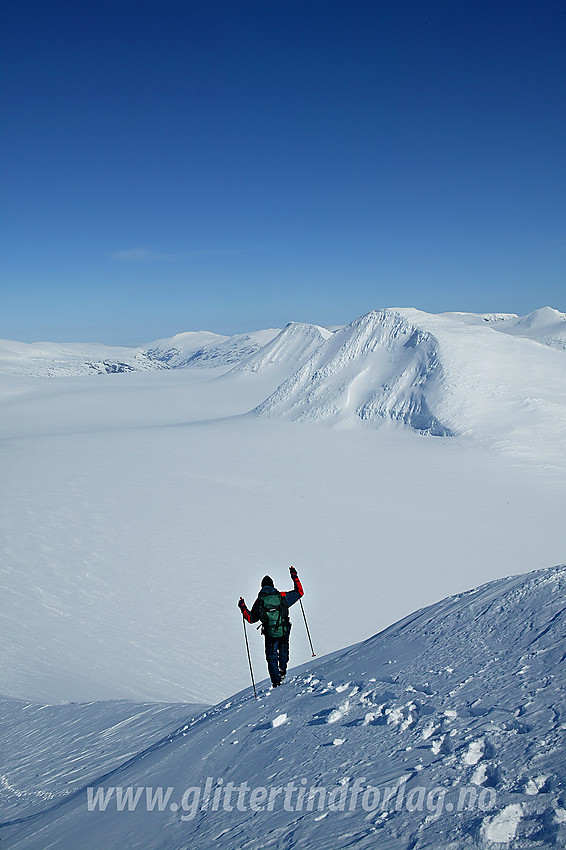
[(413, 707)]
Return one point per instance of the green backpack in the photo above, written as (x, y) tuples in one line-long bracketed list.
[(274, 615)]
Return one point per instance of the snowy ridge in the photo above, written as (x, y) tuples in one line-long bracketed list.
[(231, 351), (453, 716), (289, 349), (480, 318), (379, 367)]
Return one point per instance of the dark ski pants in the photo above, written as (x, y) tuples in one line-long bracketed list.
[(277, 656)]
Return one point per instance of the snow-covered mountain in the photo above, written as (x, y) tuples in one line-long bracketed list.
[(546, 325), (204, 349), (379, 367), (443, 732), (54, 360), (118, 489), (497, 389), (193, 348), (288, 350), (175, 351), (435, 374)]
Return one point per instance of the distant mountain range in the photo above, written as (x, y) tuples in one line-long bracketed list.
[(495, 377), (249, 351)]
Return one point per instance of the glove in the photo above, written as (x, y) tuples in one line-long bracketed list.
[(241, 604), (296, 581)]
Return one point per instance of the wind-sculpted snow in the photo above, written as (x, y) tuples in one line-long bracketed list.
[(443, 732), (50, 750), (380, 367)]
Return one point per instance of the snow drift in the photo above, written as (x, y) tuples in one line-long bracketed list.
[(443, 732)]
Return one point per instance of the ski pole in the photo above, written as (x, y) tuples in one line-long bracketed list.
[(249, 657), (307, 627)]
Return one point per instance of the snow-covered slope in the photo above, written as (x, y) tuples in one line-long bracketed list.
[(288, 349), (50, 750), (379, 367), (444, 732), (234, 350), (498, 390)]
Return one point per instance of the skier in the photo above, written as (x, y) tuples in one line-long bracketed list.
[(272, 608)]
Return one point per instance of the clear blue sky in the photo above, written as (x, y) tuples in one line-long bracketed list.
[(185, 164)]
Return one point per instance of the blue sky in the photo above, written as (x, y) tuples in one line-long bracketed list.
[(185, 164)]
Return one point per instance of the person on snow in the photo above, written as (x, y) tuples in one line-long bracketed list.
[(272, 609)]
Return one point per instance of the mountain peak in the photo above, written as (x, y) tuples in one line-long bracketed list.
[(378, 368), (288, 349)]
